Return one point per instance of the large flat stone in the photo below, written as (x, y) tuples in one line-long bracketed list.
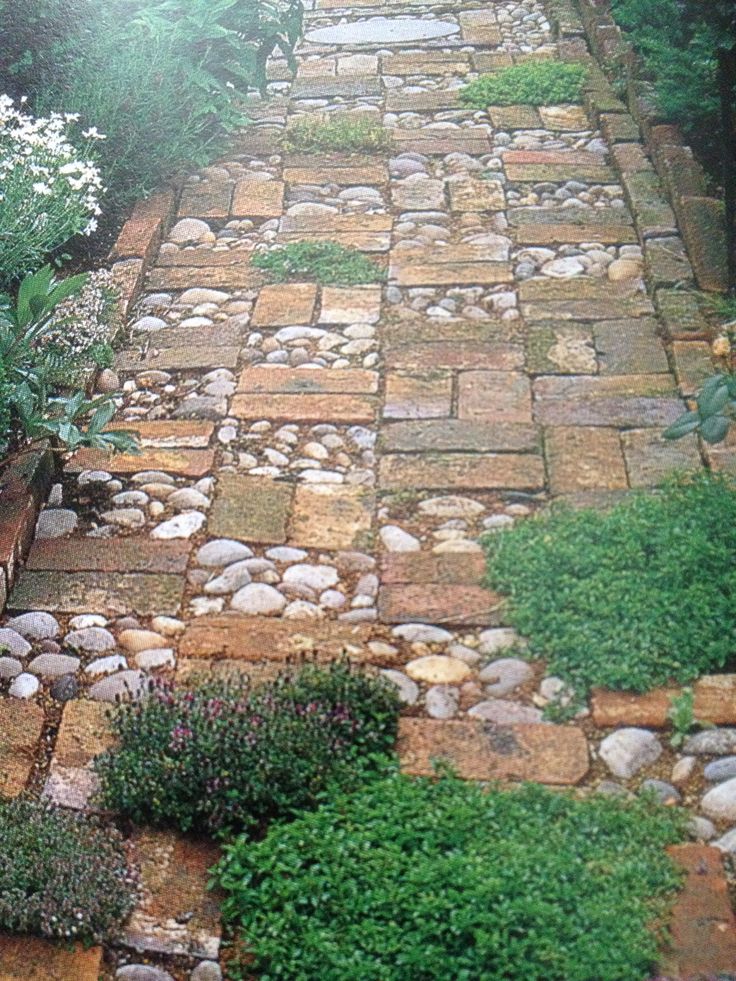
[(452, 265), (345, 173), (178, 914), (581, 458), (124, 555), (581, 298), (459, 354), (630, 347), (186, 357), (453, 568), (237, 277), (474, 141), (468, 435), (555, 755), (424, 395), (25, 958), (495, 397), (84, 733), (305, 408), (285, 304), (560, 348), (616, 400), (427, 63), (208, 199), (108, 593), (21, 725), (714, 702), (461, 471), (331, 516), (650, 459), (237, 638), (257, 199), (250, 509)]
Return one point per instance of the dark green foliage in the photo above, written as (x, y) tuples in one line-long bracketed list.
[(630, 599), (62, 875), (431, 880), (322, 262), (225, 757), (714, 412), (312, 134), (534, 83)]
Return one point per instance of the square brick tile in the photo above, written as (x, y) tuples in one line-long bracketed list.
[(331, 516), (250, 509), (285, 305), (461, 471), (257, 199), (21, 725), (350, 305), (422, 396), (581, 458), (495, 396), (650, 459)]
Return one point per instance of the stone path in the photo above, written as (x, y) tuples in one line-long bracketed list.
[(318, 462)]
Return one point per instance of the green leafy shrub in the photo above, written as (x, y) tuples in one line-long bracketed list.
[(634, 598), (49, 189), (328, 263), (62, 875), (427, 880), (225, 757), (533, 83), (308, 133)]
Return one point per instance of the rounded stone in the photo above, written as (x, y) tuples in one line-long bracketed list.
[(711, 742), (93, 640), (168, 626), (24, 686), (442, 701), (282, 553), (422, 633), (65, 688), (726, 843), (141, 640), (316, 577), (10, 667), (258, 599), (11, 642), (451, 506), (124, 517), (142, 972), (683, 770), (85, 620), (702, 829), (382, 30), (719, 770), (663, 791), (720, 802), (206, 971), (54, 665), (621, 269), (182, 526), (222, 552), (395, 539), (124, 684), (35, 626), (189, 230), (232, 578), (56, 523), (629, 750), (408, 690), (498, 639), (438, 669), (106, 665), (187, 498), (159, 658), (504, 675), (504, 712)]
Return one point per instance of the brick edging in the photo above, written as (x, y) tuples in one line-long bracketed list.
[(700, 217), (26, 476)]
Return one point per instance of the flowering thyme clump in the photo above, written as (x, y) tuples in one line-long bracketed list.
[(49, 189), (224, 756), (62, 875)]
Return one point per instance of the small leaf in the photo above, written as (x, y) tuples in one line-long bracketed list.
[(714, 429), (687, 423)]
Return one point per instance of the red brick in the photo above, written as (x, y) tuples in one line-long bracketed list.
[(549, 754), (703, 928), (714, 702), (417, 396), (257, 199), (305, 408), (581, 458), (285, 305), (424, 567), (183, 463), (251, 509), (439, 603), (21, 725), (25, 958), (460, 354), (331, 516), (119, 555), (293, 381), (141, 233), (495, 396)]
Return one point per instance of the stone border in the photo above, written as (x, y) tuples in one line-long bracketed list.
[(26, 477), (700, 217)]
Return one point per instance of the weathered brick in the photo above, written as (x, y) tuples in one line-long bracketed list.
[(250, 509), (427, 63), (667, 262), (650, 459), (704, 230), (177, 913), (141, 233), (472, 140), (693, 364), (703, 928), (461, 471), (564, 119), (21, 724), (535, 173), (460, 354), (495, 396), (257, 199), (232, 276), (95, 592), (327, 88), (549, 754), (285, 305), (343, 173), (185, 357), (470, 435), (616, 400), (350, 305), (514, 117), (559, 348), (472, 194), (121, 555), (714, 701), (207, 199), (421, 396), (479, 27), (305, 408), (581, 298), (169, 433), (237, 638), (85, 732), (293, 381), (681, 314), (619, 127), (439, 603), (491, 61), (331, 516), (630, 347), (453, 568), (182, 462), (452, 265), (580, 458), (398, 100), (26, 958)]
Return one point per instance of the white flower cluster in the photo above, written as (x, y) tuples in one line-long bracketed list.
[(91, 317), (49, 190)]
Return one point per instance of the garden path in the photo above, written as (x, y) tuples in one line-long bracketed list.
[(318, 462)]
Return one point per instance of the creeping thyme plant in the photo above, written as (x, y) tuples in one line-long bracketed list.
[(49, 189)]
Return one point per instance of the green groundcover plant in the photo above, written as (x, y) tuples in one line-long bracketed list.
[(310, 134), (62, 875), (223, 756), (534, 83), (629, 599), (437, 879), (328, 263)]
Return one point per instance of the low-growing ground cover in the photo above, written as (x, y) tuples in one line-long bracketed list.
[(328, 263), (629, 599), (408, 877), (542, 83), (62, 875), (309, 134), (224, 757)]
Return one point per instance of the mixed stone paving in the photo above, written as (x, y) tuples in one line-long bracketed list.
[(318, 463)]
